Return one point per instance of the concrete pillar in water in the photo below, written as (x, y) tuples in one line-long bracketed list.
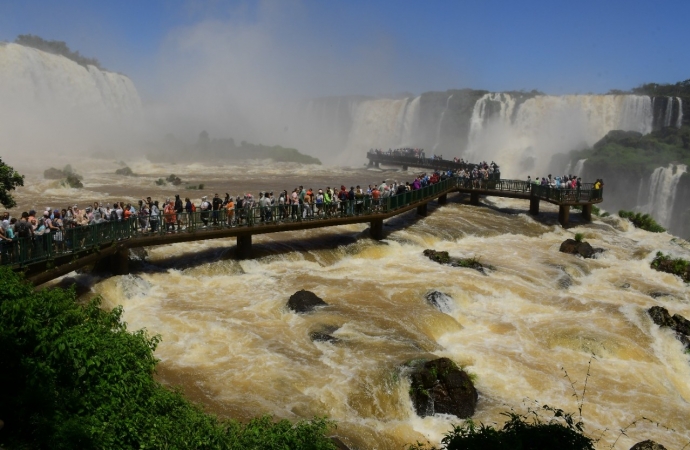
[(376, 229), (422, 210), (534, 205), (405, 168), (474, 198), (564, 215), (119, 262), (443, 199), (587, 212), (244, 246)]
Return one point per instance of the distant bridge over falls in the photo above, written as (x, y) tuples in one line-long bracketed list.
[(43, 258)]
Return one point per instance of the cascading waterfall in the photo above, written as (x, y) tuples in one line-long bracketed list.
[(381, 123), (524, 136), (662, 192), (59, 84), (679, 120), (669, 112), (440, 123), (579, 166)]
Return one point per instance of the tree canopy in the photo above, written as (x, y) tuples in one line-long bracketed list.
[(56, 48), (9, 180), (73, 376)]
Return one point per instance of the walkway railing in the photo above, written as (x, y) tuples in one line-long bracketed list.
[(74, 240)]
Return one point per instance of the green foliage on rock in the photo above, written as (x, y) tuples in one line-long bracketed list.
[(225, 151), (73, 376), (633, 151), (522, 431), (9, 180), (579, 237), (643, 221), (56, 48), (126, 171), (676, 266)]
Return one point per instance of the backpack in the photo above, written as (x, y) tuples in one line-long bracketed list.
[(22, 229), (193, 207), (113, 215)]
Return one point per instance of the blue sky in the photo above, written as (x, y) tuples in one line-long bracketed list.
[(366, 47)]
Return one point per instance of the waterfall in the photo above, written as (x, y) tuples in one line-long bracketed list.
[(440, 122), (669, 112), (679, 120), (410, 123), (524, 136), (578, 167), (662, 192), (379, 123)]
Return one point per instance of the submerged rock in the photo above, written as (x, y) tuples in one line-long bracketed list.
[(583, 249), (439, 300), (304, 301), (647, 445), (325, 334), (53, 174), (445, 258), (440, 386), (677, 323)]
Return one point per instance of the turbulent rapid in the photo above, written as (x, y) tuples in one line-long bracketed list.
[(231, 344)]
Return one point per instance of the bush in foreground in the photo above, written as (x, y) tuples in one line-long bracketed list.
[(643, 221), (527, 432), (73, 377)]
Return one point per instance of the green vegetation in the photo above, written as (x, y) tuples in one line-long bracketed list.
[(632, 151), (126, 171), (56, 48), (225, 150), (680, 89), (641, 154), (9, 180), (160, 182), (676, 266), (643, 221), (579, 237), (521, 431), (73, 376)]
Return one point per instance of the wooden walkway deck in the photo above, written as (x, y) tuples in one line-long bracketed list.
[(45, 260)]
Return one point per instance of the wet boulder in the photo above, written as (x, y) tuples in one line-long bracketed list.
[(446, 259), (677, 323), (439, 300), (647, 445), (583, 249), (53, 174), (439, 386), (304, 301)]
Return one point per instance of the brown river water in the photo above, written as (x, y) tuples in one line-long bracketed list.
[(230, 343)]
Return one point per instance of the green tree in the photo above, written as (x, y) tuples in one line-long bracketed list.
[(73, 376), (9, 180)]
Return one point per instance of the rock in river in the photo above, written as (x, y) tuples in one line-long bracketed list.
[(440, 386), (304, 301)]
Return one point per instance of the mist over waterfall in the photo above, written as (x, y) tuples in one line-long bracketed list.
[(50, 101), (663, 185), (523, 136)]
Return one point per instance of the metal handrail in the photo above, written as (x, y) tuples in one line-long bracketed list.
[(72, 240)]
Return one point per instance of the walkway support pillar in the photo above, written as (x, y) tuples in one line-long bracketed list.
[(564, 215), (422, 210), (474, 198), (376, 229), (119, 262), (443, 199), (404, 168), (244, 246), (587, 212), (534, 205)]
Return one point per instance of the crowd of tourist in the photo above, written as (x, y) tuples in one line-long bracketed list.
[(178, 214)]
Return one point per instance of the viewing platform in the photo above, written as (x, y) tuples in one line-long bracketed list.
[(42, 258), (376, 158)]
